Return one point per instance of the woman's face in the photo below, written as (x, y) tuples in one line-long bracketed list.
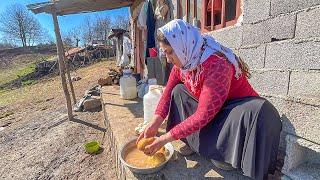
[(170, 54)]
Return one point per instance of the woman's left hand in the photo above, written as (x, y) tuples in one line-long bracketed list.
[(157, 144)]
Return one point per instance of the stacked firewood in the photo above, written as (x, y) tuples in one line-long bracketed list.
[(113, 77)]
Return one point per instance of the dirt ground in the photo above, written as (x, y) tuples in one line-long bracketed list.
[(38, 142)]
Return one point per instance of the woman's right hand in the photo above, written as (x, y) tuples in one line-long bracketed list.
[(151, 129)]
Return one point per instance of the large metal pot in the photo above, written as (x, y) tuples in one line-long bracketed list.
[(131, 144)]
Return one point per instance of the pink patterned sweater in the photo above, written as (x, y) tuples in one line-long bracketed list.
[(217, 84)]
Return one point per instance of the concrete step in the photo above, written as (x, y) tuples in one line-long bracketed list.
[(305, 171), (122, 116), (302, 160)]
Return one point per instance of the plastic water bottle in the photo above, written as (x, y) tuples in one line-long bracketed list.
[(152, 81), (150, 102), (128, 87)]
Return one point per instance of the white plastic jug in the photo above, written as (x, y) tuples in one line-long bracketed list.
[(150, 102), (152, 81), (128, 87)]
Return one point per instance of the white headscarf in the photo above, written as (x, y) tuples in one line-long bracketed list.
[(193, 49)]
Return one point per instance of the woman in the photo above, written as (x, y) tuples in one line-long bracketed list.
[(211, 105)]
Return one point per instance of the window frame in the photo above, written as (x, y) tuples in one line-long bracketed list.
[(223, 24), (187, 8)]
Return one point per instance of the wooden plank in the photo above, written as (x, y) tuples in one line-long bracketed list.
[(212, 15), (62, 66), (204, 16), (223, 14), (238, 9)]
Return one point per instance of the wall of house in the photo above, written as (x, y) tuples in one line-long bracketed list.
[(280, 41)]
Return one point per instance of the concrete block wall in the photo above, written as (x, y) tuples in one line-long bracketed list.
[(280, 41)]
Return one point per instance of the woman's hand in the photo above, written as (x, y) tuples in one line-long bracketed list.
[(157, 144), (151, 129)]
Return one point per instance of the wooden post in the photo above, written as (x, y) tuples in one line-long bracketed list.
[(68, 76), (70, 80), (62, 66)]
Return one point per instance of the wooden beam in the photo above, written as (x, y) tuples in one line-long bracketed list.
[(62, 66)]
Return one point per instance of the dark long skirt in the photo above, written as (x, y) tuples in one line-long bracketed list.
[(245, 133)]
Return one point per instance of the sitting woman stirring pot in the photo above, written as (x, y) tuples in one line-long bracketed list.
[(212, 107)]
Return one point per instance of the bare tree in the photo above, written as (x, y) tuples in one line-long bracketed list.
[(47, 38), (102, 27), (72, 37), (5, 44), (87, 30), (122, 22), (75, 34), (67, 40), (20, 25)]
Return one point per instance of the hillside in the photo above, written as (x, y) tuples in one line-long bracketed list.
[(19, 62), (38, 141)]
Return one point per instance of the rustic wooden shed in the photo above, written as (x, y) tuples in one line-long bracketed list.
[(65, 7)]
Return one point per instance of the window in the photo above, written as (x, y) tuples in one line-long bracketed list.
[(183, 9), (190, 10), (218, 14), (198, 10)]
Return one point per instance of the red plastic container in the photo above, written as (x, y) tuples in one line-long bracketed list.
[(153, 52)]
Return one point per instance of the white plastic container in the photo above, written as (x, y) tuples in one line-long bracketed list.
[(150, 102), (152, 81), (128, 87)]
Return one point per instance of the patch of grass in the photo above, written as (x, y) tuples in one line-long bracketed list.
[(9, 113), (30, 68), (28, 82), (22, 65), (51, 58), (38, 92)]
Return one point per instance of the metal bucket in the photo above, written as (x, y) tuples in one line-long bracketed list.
[(138, 170)]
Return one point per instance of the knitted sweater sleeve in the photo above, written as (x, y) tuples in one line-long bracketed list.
[(215, 88), (164, 103)]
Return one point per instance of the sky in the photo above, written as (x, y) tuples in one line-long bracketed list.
[(66, 22)]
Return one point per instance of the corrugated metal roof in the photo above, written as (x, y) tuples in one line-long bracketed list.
[(64, 7)]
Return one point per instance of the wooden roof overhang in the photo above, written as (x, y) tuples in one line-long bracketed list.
[(65, 7)]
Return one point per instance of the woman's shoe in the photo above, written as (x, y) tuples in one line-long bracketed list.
[(222, 165), (184, 149)]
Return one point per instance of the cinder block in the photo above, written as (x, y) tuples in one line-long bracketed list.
[(293, 54), (230, 37), (254, 56), (299, 119), (301, 159), (305, 84), (255, 10), (308, 24), (282, 27), (270, 82), (287, 6), (255, 34), (278, 28)]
